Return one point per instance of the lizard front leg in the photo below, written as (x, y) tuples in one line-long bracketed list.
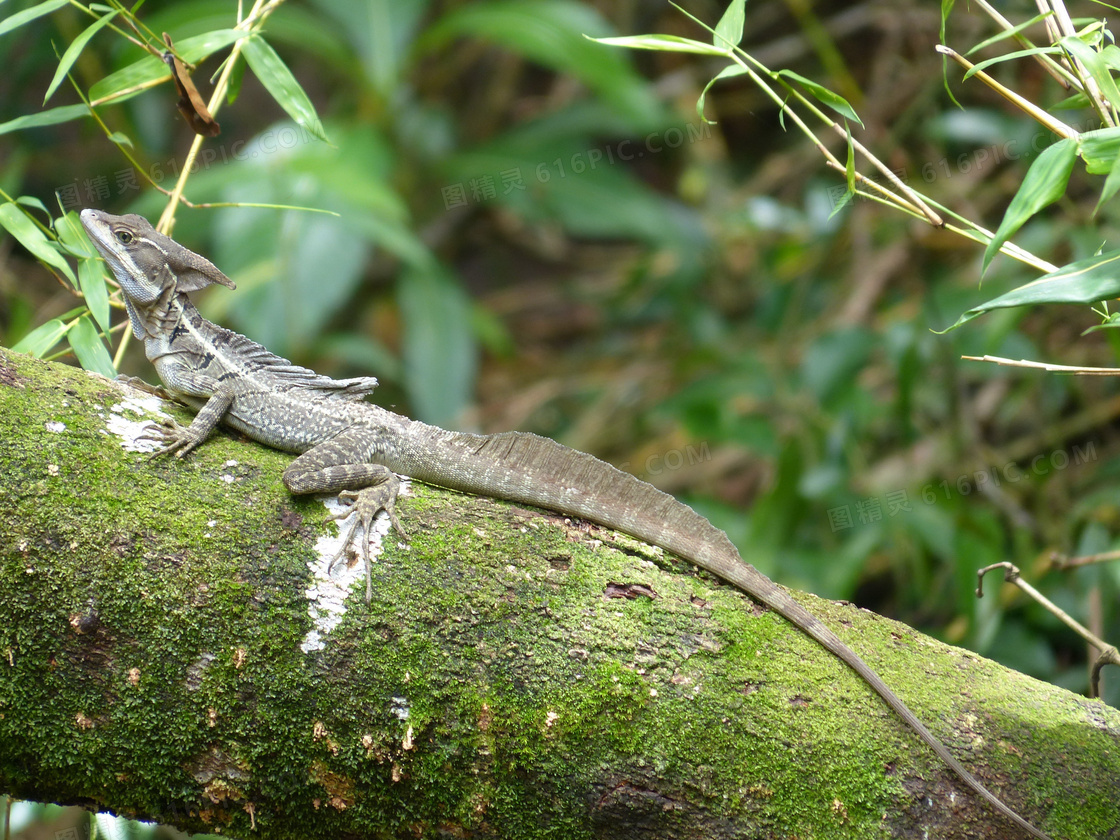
[(179, 440), (339, 466)]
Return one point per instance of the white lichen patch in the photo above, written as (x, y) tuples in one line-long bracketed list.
[(55, 426), (400, 708), (131, 418), (327, 594)]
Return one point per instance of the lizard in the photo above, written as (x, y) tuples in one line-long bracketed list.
[(354, 448)]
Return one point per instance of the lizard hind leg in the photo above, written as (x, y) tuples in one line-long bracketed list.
[(365, 489), (364, 505)]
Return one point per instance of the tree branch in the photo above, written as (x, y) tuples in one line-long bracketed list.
[(170, 650)]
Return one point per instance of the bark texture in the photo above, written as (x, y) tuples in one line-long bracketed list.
[(168, 652)]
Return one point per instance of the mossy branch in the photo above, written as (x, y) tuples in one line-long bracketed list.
[(516, 675)]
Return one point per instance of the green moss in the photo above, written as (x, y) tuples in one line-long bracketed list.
[(153, 613)]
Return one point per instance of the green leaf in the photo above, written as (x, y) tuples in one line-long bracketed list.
[(1100, 149), (1045, 183), (1011, 56), (729, 30), (1112, 322), (1110, 55), (20, 18), (1095, 63), (946, 9), (1111, 184), (845, 200), (1008, 33), (438, 348), (41, 339), (726, 72), (1071, 103), (96, 291), (1085, 281), (833, 100), (849, 174), (279, 81), (15, 221), (236, 77), (54, 116), (73, 51), (31, 201), (133, 79), (72, 237), (90, 349), (665, 43)]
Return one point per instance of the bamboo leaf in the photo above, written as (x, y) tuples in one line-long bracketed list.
[(1110, 55), (1011, 56), (31, 201), (15, 221), (1071, 103), (54, 116), (1095, 63), (90, 349), (946, 9), (74, 50), (96, 291), (665, 43), (149, 70), (1045, 183), (1085, 281), (1100, 149), (1111, 185), (279, 81), (1009, 33), (833, 100), (27, 15), (72, 237), (729, 30), (42, 338), (726, 72)]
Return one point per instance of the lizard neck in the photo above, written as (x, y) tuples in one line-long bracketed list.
[(160, 316), (165, 323)]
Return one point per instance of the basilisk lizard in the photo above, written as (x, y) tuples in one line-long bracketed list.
[(354, 448)]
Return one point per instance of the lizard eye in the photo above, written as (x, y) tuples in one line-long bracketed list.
[(124, 237)]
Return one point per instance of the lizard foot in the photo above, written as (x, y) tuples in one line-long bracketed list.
[(367, 503), (177, 439)]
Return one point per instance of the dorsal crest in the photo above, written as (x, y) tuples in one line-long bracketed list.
[(283, 375)]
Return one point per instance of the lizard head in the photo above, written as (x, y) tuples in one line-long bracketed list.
[(145, 262)]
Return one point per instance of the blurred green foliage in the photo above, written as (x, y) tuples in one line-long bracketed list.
[(536, 231)]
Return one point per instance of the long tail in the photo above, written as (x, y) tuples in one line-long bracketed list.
[(534, 470)]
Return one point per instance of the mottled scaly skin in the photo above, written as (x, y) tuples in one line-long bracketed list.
[(353, 448)]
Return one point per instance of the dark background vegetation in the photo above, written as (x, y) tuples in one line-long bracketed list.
[(671, 296)]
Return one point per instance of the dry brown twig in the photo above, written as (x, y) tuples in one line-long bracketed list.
[(1108, 654)]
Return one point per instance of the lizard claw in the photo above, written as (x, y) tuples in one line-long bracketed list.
[(176, 438), (367, 503)]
